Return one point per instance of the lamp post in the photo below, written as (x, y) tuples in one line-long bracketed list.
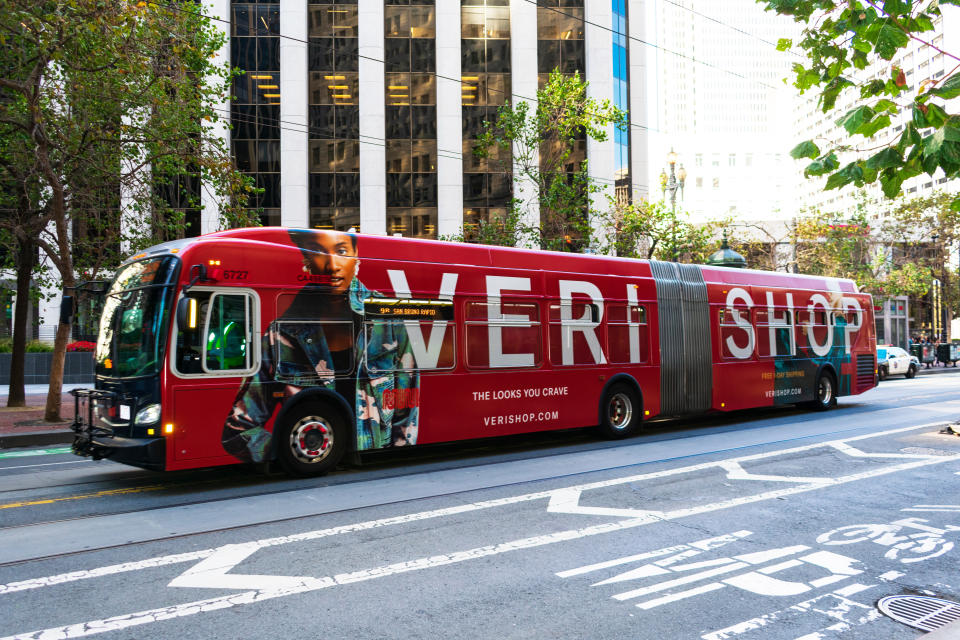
[(672, 183)]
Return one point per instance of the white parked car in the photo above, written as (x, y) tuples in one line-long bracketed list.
[(893, 361)]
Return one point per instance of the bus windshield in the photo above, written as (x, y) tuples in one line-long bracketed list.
[(133, 325)]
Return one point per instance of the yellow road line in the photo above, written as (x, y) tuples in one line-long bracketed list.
[(98, 494)]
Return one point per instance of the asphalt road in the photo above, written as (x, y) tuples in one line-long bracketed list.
[(765, 524)]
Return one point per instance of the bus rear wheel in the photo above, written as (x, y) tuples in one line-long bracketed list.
[(620, 412), (312, 440), (825, 392)]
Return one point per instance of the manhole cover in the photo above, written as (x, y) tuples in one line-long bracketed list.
[(920, 612)]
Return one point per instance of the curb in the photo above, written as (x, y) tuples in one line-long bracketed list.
[(35, 439)]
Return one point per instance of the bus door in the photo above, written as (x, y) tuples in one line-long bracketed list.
[(683, 318)]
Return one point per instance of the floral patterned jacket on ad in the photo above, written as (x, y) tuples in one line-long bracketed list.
[(295, 356)]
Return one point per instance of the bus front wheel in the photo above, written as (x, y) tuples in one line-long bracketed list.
[(825, 392), (620, 412), (312, 440)]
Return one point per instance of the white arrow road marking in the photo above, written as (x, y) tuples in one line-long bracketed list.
[(567, 501), (853, 452), (248, 597), (736, 472), (211, 573)]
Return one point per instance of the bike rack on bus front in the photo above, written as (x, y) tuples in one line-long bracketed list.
[(85, 431)]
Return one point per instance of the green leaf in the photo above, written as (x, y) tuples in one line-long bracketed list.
[(896, 7), (887, 158), (949, 89), (889, 40), (867, 130), (850, 173), (784, 44), (823, 165), (936, 116), (806, 149), (950, 153), (885, 105), (891, 183), (855, 118), (919, 119)]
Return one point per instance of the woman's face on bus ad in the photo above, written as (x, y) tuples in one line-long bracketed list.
[(332, 254)]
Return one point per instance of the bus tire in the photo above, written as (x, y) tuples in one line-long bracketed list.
[(825, 392), (620, 413), (311, 440)]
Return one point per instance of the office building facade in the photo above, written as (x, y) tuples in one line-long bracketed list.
[(363, 114)]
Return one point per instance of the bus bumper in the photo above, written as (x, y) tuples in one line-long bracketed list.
[(147, 453)]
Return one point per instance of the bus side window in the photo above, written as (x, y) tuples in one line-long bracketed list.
[(774, 332), (228, 333), (627, 334), (303, 355), (574, 334), (737, 333), (507, 331), (217, 336), (431, 344)]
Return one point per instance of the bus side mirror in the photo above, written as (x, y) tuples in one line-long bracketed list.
[(187, 314), (66, 310), (198, 273)]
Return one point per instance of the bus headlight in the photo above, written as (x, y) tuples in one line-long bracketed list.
[(148, 415)]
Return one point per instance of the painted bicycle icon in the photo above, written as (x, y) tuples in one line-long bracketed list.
[(908, 540)]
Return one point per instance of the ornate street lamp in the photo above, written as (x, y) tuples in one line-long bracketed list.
[(672, 184)]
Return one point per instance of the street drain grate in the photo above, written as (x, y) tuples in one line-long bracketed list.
[(920, 612)]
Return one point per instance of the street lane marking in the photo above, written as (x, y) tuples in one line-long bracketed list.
[(425, 515), (35, 452), (215, 573), (45, 464), (306, 584), (98, 494), (943, 508), (737, 472)]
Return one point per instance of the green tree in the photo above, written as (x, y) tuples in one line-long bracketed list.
[(653, 230), (102, 98), (852, 248), (839, 38), (544, 143), (923, 231)]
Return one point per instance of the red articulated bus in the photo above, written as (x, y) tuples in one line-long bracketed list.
[(298, 346)]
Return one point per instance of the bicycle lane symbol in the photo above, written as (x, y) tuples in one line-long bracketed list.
[(909, 540), (682, 572)]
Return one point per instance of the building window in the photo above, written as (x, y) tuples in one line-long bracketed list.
[(255, 111), (334, 115), (410, 93), (621, 99), (485, 86)]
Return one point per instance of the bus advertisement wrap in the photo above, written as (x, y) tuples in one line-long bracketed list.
[(299, 355)]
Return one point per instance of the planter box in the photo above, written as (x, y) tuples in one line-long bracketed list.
[(77, 368)]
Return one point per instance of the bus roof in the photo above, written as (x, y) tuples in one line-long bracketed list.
[(441, 252)]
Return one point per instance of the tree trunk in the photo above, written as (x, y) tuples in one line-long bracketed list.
[(52, 413), (26, 257)]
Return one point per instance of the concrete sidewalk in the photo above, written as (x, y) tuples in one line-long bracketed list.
[(25, 426)]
